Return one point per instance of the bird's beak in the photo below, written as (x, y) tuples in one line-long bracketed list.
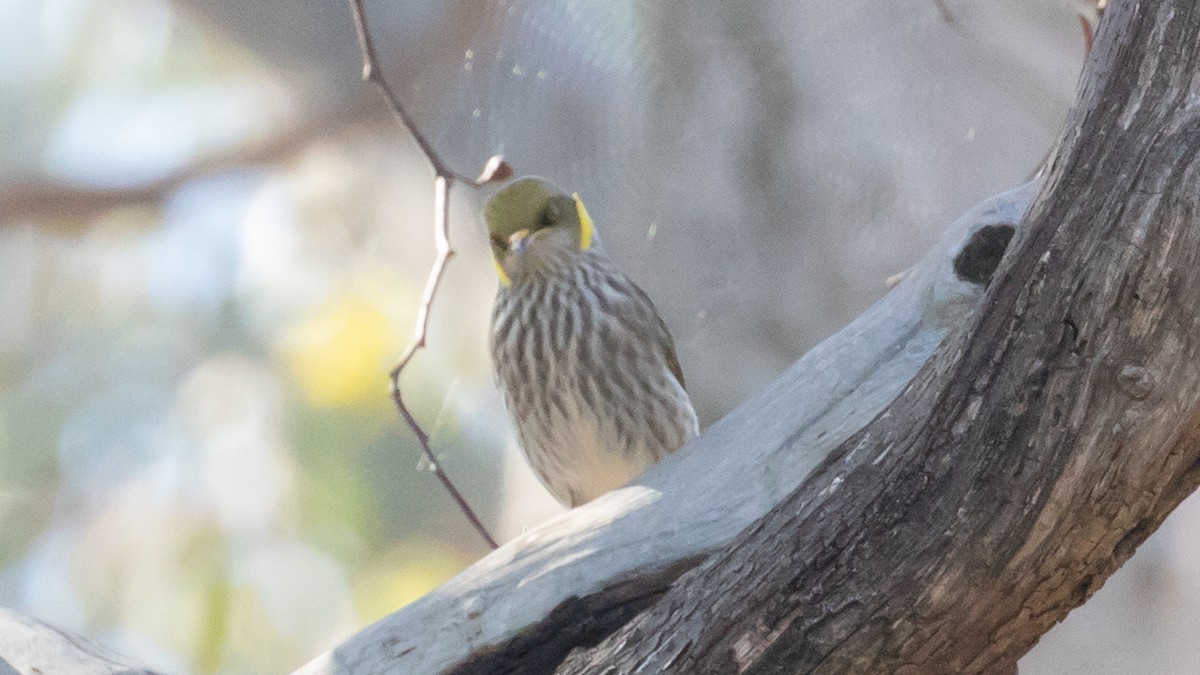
[(518, 240)]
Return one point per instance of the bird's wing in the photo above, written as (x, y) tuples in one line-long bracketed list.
[(646, 306), (672, 359)]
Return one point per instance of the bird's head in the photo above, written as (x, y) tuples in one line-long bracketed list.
[(535, 227)]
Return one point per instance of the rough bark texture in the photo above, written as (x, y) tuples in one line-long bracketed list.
[(1029, 458), (1018, 468), (575, 579), (31, 647)]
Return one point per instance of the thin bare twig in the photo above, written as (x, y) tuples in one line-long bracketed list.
[(495, 170), (444, 252)]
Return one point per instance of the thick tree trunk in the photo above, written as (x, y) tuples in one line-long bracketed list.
[(1030, 457), (825, 526), (580, 576), (1010, 477)]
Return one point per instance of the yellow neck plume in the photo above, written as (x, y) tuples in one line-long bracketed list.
[(586, 229), (587, 232)]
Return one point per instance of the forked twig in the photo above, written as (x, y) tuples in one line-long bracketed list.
[(495, 170), (444, 252)]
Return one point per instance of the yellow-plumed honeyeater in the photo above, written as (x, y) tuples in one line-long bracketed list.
[(584, 362)]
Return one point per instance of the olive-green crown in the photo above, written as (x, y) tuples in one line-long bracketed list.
[(521, 205)]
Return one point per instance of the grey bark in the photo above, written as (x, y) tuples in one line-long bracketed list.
[(1011, 476), (31, 647), (1029, 458), (580, 576), (1016, 471)]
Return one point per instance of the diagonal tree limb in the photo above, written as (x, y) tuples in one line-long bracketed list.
[(1029, 459), (1020, 467), (28, 645), (572, 580)]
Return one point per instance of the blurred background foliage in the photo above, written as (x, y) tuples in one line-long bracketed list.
[(213, 238)]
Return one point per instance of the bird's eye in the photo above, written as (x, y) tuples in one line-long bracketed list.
[(498, 241), (551, 215)]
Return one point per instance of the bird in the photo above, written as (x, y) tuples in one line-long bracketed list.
[(585, 364)]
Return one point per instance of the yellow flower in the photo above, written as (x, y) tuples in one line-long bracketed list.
[(340, 354)]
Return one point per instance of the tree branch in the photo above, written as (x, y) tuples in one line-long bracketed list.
[(878, 510), (73, 206), (572, 580), (31, 646), (1029, 459), (495, 170), (945, 531)]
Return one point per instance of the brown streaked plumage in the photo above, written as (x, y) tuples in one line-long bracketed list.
[(586, 366)]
